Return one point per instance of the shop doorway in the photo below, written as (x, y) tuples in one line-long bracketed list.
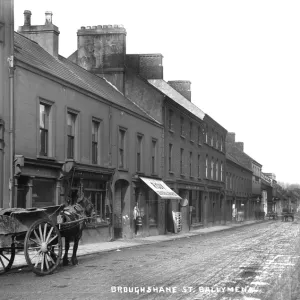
[(121, 187)]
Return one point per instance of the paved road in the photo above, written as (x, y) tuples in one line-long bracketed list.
[(259, 261)]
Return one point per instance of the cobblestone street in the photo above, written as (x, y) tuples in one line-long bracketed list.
[(251, 262)]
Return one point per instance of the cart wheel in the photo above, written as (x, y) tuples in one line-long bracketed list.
[(7, 256), (43, 247)]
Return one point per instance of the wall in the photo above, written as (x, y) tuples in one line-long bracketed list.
[(6, 43)]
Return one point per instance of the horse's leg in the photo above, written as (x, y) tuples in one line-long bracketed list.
[(75, 247), (67, 247)]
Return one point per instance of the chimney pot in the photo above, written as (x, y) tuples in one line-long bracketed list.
[(94, 27), (88, 27), (48, 17), (27, 18), (99, 26), (82, 27)]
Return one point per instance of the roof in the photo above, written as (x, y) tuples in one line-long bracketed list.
[(234, 159), (31, 53), (166, 89)]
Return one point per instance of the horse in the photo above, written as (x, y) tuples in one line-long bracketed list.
[(73, 220)]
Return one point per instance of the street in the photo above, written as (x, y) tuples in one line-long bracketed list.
[(259, 261)]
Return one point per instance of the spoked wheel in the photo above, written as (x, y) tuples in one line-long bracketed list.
[(43, 247), (7, 256)]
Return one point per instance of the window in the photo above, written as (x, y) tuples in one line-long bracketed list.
[(230, 181), (170, 119), (221, 171), (226, 182), (181, 161), (181, 126), (43, 192), (122, 134), (153, 156), (221, 144), (206, 134), (217, 141), (44, 129), (191, 163), (212, 137), (153, 208), (191, 131), (199, 167), (199, 135), (217, 170), (170, 157), (71, 130), (95, 141), (206, 166), (139, 141), (212, 168)]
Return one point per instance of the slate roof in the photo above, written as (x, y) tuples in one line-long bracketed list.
[(236, 160), (31, 53), (166, 89)]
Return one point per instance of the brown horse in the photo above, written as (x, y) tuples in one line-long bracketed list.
[(73, 220)]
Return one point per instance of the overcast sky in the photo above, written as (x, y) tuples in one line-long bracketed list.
[(242, 57)]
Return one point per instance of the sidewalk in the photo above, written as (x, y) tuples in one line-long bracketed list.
[(116, 245)]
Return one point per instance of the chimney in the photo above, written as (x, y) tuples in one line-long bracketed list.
[(101, 50), (230, 137), (45, 35), (183, 87), (240, 146)]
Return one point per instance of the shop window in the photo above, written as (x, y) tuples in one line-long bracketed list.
[(43, 192)]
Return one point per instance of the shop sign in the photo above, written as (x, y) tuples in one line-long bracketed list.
[(160, 188)]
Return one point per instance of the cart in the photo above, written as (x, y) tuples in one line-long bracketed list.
[(36, 231)]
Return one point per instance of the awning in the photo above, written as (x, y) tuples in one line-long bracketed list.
[(160, 188)]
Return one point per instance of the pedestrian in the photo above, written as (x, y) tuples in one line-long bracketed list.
[(136, 216)]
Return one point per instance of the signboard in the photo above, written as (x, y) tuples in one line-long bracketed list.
[(160, 188)]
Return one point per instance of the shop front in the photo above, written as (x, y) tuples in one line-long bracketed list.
[(154, 199), (95, 181)]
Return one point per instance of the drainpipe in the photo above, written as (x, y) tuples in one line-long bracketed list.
[(11, 104)]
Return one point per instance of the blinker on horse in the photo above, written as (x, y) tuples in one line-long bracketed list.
[(74, 218)]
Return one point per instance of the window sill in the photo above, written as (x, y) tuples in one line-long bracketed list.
[(123, 170), (154, 175), (171, 131), (192, 141), (200, 144), (171, 172), (46, 157), (182, 175), (182, 136)]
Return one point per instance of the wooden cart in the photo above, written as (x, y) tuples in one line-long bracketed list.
[(34, 231)]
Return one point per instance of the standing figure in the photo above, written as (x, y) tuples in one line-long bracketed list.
[(136, 217)]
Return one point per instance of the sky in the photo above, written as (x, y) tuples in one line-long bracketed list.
[(242, 58)]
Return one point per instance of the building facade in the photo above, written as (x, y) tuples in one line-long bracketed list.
[(73, 130)]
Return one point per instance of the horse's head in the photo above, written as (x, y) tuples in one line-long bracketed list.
[(87, 205)]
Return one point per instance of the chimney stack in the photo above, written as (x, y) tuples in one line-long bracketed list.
[(183, 87), (230, 137), (48, 17), (45, 35), (27, 18), (240, 146), (101, 50)]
